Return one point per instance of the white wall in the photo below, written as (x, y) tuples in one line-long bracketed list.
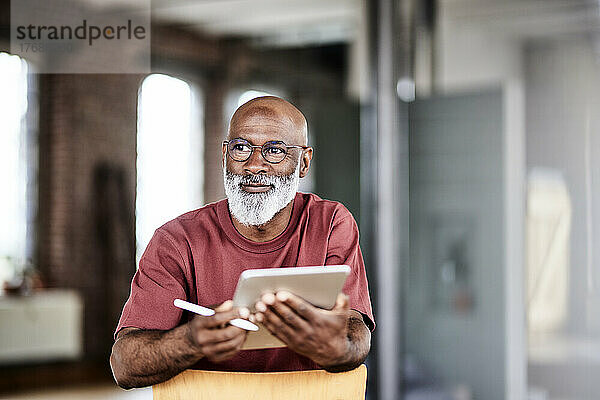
[(467, 56)]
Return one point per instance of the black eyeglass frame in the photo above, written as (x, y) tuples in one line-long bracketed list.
[(262, 149)]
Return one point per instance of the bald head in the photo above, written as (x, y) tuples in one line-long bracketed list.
[(271, 115)]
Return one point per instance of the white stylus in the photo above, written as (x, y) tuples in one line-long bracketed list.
[(207, 312)]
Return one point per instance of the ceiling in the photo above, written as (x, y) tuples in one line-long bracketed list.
[(302, 22), (270, 21), (526, 19)]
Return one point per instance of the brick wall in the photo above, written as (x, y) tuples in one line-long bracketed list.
[(87, 122)]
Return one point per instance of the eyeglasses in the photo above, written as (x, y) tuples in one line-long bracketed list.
[(274, 151)]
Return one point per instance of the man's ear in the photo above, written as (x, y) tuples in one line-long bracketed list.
[(223, 155), (307, 155)]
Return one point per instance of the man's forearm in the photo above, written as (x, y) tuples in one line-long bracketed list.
[(146, 357), (359, 344)]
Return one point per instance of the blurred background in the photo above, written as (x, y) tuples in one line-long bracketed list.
[(464, 136)]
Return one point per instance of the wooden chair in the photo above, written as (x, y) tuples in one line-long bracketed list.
[(313, 385)]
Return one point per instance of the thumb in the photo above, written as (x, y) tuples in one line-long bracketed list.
[(342, 304), (225, 306)]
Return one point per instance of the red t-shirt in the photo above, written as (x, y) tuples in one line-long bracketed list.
[(199, 256)]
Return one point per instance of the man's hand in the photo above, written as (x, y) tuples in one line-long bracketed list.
[(321, 335), (213, 338), (143, 357)]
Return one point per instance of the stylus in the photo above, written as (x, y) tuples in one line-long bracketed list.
[(207, 312)]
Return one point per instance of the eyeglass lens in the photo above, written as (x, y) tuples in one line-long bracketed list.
[(241, 150)]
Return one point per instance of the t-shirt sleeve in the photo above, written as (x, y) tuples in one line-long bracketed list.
[(158, 281), (343, 248)]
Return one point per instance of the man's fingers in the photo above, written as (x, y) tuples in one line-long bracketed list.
[(208, 337), (226, 345), (224, 350), (244, 312), (289, 317), (220, 318), (225, 306), (228, 333), (273, 322), (342, 303), (301, 307), (228, 305), (274, 331)]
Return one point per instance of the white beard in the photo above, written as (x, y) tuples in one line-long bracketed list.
[(259, 208)]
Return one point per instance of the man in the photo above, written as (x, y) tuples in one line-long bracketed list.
[(263, 223)]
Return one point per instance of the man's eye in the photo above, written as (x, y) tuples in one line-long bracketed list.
[(275, 150), (241, 147)]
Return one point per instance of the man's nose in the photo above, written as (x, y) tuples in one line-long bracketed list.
[(256, 164)]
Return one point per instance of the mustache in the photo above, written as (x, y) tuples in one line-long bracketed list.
[(259, 179)]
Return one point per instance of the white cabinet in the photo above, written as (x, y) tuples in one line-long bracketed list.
[(44, 326)]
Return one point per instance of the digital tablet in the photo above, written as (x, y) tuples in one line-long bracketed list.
[(317, 285)]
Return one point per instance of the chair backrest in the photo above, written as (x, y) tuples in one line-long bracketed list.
[(313, 385)]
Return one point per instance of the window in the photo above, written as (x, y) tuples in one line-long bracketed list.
[(549, 214), (14, 159), (169, 154)]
